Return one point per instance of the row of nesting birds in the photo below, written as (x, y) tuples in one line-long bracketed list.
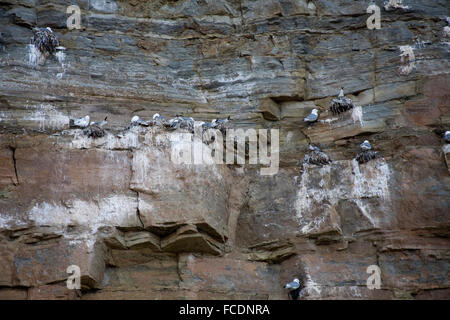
[(339, 105), (94, 128), (320, 158)]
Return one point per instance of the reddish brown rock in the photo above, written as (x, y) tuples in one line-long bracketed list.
[(47, 263), (415, 269), (7, 169), (224, 277), (189, 239), (13, 294), (140, 275), (57, 291), (73, 173), (172, 195), (7, 271), (117, 205)]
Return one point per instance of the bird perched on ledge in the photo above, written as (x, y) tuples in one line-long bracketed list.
[(158, 120), (447, 136), (365, 145), (91, 129), (44, 40), (341, 103), (316, 157), (220, 124), (94, 131), (312, 117), (186, 123), (80, 122), (99, 123), (367, 153), (294, 288), (172, 124), (137, 121)]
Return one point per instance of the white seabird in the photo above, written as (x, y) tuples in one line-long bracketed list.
[(447, 136), (82, 122), (159, 120), (158, 117), (312, 117), (207, 125), (313, 148), (137, 121), (220, 124), (186, 122), (294, 288), (221, 121), (316, 157), (341, 93), (365, 145), (214, 124), (99, 123), (295, 284), (173, 124)]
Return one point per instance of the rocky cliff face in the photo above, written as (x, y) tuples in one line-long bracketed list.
[(142, 227)]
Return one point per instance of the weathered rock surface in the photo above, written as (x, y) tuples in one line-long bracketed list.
[(141, 226)]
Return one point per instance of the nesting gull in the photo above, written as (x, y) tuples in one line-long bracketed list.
[(137, 121), (99, 123), (341, 103), (367, 153), (206, 125), (95, 130), (186, 123), (365, 145), (221, 121), (45, 42), (158, 120), (172, 124), (316, 157), (207, 137), (80, 122), (220, 124), (294, 288)]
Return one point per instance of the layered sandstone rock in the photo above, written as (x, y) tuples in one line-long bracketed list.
[(142, 226)]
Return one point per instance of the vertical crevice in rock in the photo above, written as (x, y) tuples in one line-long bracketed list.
[(308, 139), (236, 200), (139, 217), (13, 150), (178, 268), (138, 213)]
